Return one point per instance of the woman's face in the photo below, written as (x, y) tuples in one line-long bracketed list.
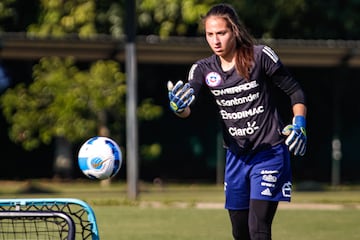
[(220, 37)]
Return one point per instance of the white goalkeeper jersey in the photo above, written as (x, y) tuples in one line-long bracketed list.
[(250, 119)]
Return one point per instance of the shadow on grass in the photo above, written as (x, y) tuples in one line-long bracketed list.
[(34, 188)]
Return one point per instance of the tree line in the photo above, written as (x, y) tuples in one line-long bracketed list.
[(305, 19)]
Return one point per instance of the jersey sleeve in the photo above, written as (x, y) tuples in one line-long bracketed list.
[(281, 77), (196, 78)]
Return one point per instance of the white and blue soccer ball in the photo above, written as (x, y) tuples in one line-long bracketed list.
[(100, 158)]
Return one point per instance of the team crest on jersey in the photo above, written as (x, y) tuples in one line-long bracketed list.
[(213, 79)]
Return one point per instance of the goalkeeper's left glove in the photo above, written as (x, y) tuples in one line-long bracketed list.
[(296, 135), (180, 96)]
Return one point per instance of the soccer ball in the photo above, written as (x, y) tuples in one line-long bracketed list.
[(100, 158)]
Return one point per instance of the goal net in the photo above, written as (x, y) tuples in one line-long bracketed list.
[(49, 218)]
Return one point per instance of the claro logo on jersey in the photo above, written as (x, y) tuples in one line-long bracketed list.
[(213, 79)]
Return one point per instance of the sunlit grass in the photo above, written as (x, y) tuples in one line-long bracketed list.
[(170, 211)]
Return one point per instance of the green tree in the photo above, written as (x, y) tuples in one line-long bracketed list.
[(59, 18), (304, 19), (68, 105), (6, 11), (5, 8), (82, 18), (171, 17), (110, 17), (271, 19), (64, 103)]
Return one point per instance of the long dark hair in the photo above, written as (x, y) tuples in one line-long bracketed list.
[(244, 40)]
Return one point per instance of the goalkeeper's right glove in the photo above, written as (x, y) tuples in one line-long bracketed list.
[(180, 96), (296, 135)]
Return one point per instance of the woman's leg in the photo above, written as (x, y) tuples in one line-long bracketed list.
[(261, 215), (240, 224)]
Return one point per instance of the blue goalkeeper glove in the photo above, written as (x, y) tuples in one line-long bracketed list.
[(296, 135), (180, 96)]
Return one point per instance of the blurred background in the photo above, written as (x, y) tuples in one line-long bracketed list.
[(63, 80)]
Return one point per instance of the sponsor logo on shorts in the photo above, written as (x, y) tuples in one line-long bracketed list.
[(269, 178), (286, 189), (266, 192), (269, 172), (265, 184)]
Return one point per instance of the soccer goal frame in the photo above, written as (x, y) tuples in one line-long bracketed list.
[(47, 218)]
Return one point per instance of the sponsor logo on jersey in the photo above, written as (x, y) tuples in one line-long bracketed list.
[(249, 130), (213, 79), (243, 114), (237, 101), (235, 89)]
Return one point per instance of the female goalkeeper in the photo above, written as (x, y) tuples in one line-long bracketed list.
[(239, 76)]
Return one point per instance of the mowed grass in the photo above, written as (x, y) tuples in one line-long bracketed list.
[(171, 211), (213, 224), (316, 225), (136, 223)]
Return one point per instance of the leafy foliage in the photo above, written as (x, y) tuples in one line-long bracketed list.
[(305, 19), (171, 17), (63, 101), (59, 18), (6, 10), (83, 18), (110, 17)]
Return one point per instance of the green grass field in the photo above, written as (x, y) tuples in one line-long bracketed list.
[(174, 211), (213, 224)]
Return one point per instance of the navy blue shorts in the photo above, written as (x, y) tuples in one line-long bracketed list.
[(265, 175)]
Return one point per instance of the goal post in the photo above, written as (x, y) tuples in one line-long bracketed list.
[(47, 218), (51, 225)]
